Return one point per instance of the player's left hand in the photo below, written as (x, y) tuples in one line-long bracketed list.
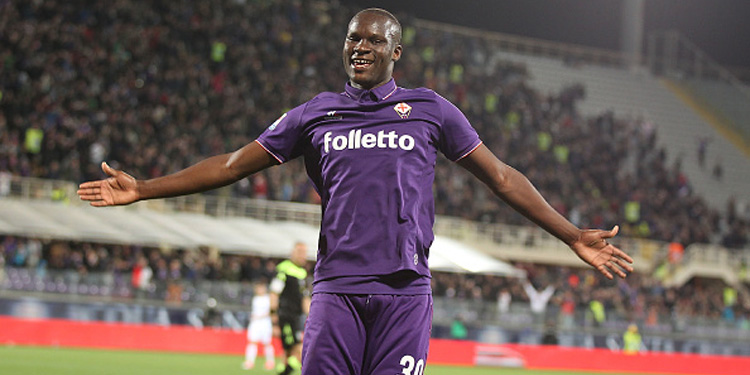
[(593, 248)]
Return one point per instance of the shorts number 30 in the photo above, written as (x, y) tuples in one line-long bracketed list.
[(409, 364)]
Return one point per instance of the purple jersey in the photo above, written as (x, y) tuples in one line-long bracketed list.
[(371, 155)]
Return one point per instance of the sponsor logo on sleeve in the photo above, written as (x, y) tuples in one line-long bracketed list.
[(331, 115), (276, 123)]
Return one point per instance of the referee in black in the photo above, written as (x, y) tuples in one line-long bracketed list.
[(290, 303)]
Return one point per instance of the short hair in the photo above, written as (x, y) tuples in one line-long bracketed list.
[(382, 12)]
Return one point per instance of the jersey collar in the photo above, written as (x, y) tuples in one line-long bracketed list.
[(377, 94)]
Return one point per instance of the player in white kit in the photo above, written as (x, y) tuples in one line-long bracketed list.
[(260, 329)]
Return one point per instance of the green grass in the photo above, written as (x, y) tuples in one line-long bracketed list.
[(28, 360)]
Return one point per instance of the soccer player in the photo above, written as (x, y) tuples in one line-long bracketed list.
[(260, 329), (370, 151), (290, 300)]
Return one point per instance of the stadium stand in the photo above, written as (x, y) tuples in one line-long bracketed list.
[(158, 108), (640, 95)]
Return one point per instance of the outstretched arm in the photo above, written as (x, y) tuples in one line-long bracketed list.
[(220, 170), (518, 192)]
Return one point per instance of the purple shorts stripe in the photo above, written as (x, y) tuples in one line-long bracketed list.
[(367, 334)]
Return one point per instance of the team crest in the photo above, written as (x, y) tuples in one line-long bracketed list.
[(403, 109)]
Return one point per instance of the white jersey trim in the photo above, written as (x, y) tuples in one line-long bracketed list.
[(470, 151), (269, 152)]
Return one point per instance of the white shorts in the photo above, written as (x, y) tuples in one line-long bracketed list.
[(260, 331)]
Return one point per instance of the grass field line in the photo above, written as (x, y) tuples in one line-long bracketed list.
[(34, 360)]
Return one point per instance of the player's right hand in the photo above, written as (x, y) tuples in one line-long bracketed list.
[(592, 247), (119, 189)]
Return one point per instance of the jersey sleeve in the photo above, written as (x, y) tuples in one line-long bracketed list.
[(282, 139), (457, 137), (277, 284)]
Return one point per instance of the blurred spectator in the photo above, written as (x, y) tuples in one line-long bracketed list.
[(703, 142), (503, 302), (538, 300), (632, 342), (550, 335), (598, 312), (458, 328), (675, 252), (141, 277)]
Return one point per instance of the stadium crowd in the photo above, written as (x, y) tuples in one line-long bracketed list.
[(153, 87), (574, 295)]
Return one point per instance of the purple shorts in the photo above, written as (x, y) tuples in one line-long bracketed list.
[(356, 334)]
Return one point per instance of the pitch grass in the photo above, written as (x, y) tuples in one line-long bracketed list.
[(27, 360)]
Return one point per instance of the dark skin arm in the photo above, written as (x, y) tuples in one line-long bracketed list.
[(517, 191), (217, 171)]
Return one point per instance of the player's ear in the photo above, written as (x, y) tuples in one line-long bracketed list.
[(397, 53)]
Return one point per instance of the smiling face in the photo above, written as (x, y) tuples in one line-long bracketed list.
[(371, 48)]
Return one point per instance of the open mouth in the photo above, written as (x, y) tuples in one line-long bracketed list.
[(360, 64)]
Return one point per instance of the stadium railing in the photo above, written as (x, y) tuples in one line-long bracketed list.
[(506, 242), (532, 46), (86, 294)]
